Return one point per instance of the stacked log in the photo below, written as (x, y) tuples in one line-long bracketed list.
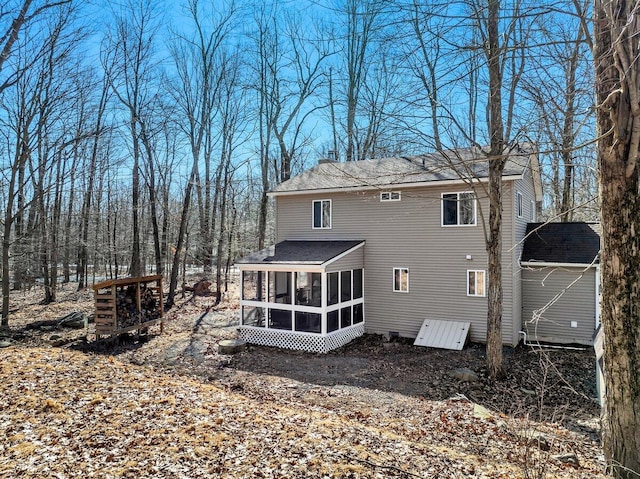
[(127, 308), (149, 306)]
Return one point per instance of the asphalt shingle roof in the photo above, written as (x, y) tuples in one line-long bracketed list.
[(300, 252), (561, 243), (447, 165)]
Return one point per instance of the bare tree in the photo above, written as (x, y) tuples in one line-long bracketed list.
[(14, 22), (199, 61), (560, 85), (130, 68), (616, 55)]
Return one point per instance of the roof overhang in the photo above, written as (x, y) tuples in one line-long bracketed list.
[(390, 186), (301, 255)]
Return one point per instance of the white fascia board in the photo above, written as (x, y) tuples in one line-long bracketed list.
[(542, 264), (301, 267), (396, 186)]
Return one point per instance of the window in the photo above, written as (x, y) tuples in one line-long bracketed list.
[(357, 284), (458, 209), (332, 288), (322, 214), (519, 205), (390, 196), (345, 286), (401, 280), (476, 283), (533, 211)]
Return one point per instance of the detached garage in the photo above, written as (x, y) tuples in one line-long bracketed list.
[(560, 282)]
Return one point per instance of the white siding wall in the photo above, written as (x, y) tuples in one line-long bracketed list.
[(408, 233)]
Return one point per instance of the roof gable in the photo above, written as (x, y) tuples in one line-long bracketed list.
[(565, 243), (447, 166)]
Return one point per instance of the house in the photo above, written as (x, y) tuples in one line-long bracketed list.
[(560, 275), (380, 245)]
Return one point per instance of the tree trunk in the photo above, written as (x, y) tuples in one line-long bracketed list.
[(618, 96), (496, 166), (184, 219)]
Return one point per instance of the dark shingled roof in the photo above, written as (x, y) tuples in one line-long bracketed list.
[(561, 243), (300, 252), (396, 171)]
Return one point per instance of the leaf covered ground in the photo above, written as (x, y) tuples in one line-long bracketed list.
[(172, 407)]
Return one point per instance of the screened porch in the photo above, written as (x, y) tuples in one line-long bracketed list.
[(314, 303)]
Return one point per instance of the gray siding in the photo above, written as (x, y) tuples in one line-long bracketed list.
[(354, 260), (408, 233), (541, 285), (518, 230)]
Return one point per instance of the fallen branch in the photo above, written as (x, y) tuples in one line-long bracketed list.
[(381, 466)]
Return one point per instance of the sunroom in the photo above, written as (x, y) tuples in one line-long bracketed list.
[(303, 295)]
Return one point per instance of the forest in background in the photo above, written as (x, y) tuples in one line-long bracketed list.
[(141, 137)]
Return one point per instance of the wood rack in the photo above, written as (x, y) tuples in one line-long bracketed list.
[(128, 304)]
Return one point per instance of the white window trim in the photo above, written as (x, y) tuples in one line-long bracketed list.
[(313, 204), (519, 205), (484, 289), (389, 195), (393, 280), (458, 224)]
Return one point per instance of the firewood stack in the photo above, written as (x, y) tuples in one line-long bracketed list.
[(149, 306), (127, 304), (126, 307)]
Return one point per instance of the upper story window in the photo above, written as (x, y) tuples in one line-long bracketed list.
[(458, 209), (390, 196), (519, 204), (322, 214)]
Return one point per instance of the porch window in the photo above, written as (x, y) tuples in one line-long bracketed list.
[(280, 287), (401, 280), (280, 319), (476, 281), (308, 322), (345, 286), (345, 317), (458, 209), (332, 288), (253, 316), (308, 289), (254, 285), (322, 214), (332, 321), (357, 283), (358, 313)]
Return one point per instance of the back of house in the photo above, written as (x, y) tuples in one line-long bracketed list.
[(419, 226)]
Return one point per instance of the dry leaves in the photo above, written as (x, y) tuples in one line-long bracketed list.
[(68, 414)]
